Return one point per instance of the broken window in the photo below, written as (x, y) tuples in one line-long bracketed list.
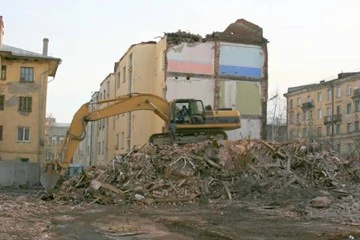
[(25, 104), (27, 74), (3, 72), (23, 134), (2, 102)]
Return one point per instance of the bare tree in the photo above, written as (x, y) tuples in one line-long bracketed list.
[(276, 116)]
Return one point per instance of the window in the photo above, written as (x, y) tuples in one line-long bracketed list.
[(99, 148), (350, 128), (304, 116), (130, 80), (338, 92), (348, 90), (3, 72), (338, 109), (319, 113), (25, 104), (103, 147), (291, 119), (124, 74), (337, 128), (357, 106), (291, 104), (319, 131), (298, 101), (23, 134), (328, 130), (357, 126), (118, 79), (26, 74), (319, 96), (130, 61), (61, 141), (122, 140), (298, 117), (329, 92), (2, 102), (1, 133), (116, 146), (348, 108), (49, 155), (310, 114), (328, 111), (349, 147)]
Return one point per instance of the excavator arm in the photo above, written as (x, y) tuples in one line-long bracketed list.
[(77, 130)]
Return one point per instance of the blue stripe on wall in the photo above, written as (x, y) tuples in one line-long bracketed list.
[(240, 71)]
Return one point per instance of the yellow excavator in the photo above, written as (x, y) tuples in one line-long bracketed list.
[(186, 120)]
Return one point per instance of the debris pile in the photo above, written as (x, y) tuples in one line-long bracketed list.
[(206, 171)]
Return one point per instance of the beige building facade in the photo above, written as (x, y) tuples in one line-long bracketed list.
[(327, 112), (23, 93), (55, 134)]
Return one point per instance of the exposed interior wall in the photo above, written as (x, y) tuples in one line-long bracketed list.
[(250, 128), (191, 58), (241, 95), (241, 60), (194, 87)]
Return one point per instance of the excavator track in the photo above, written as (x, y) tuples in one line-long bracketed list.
[(185, 137)]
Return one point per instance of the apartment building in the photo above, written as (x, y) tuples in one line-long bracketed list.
[(23, 91), (55, 134), (327, 112), (224, 69)]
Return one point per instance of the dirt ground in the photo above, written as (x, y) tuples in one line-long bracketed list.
[(23, 215)]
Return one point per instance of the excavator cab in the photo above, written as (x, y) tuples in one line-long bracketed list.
[(187, 111)]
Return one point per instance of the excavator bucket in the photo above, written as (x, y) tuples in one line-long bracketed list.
[(49, 178)]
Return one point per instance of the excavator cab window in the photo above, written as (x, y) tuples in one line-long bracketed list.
[(189, 112)]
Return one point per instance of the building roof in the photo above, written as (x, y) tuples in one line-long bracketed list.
[(341, 77), (23, 53), (18, 52)]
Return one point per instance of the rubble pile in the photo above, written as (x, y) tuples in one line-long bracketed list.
[(208, 170)]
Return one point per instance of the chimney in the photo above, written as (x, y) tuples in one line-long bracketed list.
[(1, 30), (45, 46)]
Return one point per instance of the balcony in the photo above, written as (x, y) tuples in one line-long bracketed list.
[(334, 119), (308, 104), (356, 93)]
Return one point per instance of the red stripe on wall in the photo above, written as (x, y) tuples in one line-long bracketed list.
[(190, 67)]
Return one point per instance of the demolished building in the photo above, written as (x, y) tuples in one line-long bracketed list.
[(224, 69)]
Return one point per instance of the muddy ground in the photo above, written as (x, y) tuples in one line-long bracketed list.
[(23, 215)]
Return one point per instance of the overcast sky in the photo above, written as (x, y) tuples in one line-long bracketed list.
[(309, 40)]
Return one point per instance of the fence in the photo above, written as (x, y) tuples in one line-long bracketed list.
[(19, 173)]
